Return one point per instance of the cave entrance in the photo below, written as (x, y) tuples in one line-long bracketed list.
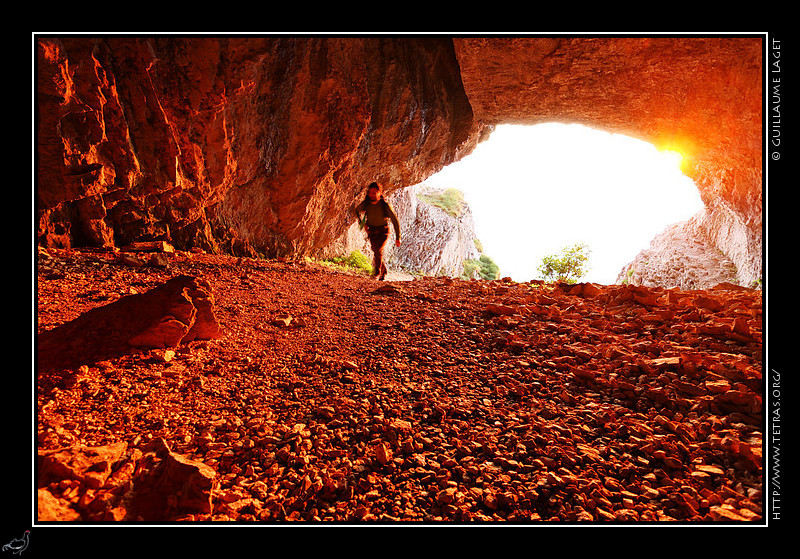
[(536, 189)]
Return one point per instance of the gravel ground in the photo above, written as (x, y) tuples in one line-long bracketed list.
[(334, 397)]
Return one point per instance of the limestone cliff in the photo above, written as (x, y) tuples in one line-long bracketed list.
[(681, 256), (435, 241)]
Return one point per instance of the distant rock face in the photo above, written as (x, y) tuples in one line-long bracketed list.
[(260, 145), (437, 242), (680, 257)]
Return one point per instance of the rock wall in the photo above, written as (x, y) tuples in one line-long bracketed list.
[(681, 256), (259, 144), (236, 144), (437, 242)]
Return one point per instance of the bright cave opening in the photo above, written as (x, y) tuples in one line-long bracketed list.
[(535, 190)]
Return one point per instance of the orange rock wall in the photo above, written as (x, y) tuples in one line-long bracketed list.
[(263, 144), (235, 144)]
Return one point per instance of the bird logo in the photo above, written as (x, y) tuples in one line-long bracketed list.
[(18, 545)]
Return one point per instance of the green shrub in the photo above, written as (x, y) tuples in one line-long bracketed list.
[(568, 266), (471, 267), (355, 259), (485, 267)]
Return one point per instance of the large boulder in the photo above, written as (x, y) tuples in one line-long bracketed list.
[(120, 482), (178, 311)]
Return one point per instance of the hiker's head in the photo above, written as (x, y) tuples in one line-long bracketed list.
[(374, 191)]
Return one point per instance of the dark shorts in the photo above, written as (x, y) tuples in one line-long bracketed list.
[(377, 237)]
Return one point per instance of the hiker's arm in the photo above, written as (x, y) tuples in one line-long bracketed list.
[(360, 209), (395, 222)]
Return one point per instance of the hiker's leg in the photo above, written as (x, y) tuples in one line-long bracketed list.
[(379, 265), (377, 241)]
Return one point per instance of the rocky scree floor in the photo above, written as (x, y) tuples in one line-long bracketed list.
[(334, 397)]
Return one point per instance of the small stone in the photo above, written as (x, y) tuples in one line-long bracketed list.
[(500, 310), (50, 508), (446, 496), (399, 425), (709, 469), (326, 411), (708, 303), (667, 361), (718, 386), (726, 513), (383, 454), (741, 327)]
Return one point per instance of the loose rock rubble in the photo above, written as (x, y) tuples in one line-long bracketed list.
[(333, 397)]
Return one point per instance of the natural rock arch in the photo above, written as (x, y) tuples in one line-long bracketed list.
[(245, 144), (699, 96)]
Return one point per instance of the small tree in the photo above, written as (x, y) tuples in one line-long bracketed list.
[(568, 266)]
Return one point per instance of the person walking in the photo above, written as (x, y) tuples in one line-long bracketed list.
[(377, 213)]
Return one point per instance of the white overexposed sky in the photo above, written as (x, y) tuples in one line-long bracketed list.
[(535, 189)]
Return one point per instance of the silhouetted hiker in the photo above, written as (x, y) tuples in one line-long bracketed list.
[(377, 214)]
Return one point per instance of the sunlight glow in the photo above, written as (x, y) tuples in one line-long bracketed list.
[(536, 189), (674, 157)]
